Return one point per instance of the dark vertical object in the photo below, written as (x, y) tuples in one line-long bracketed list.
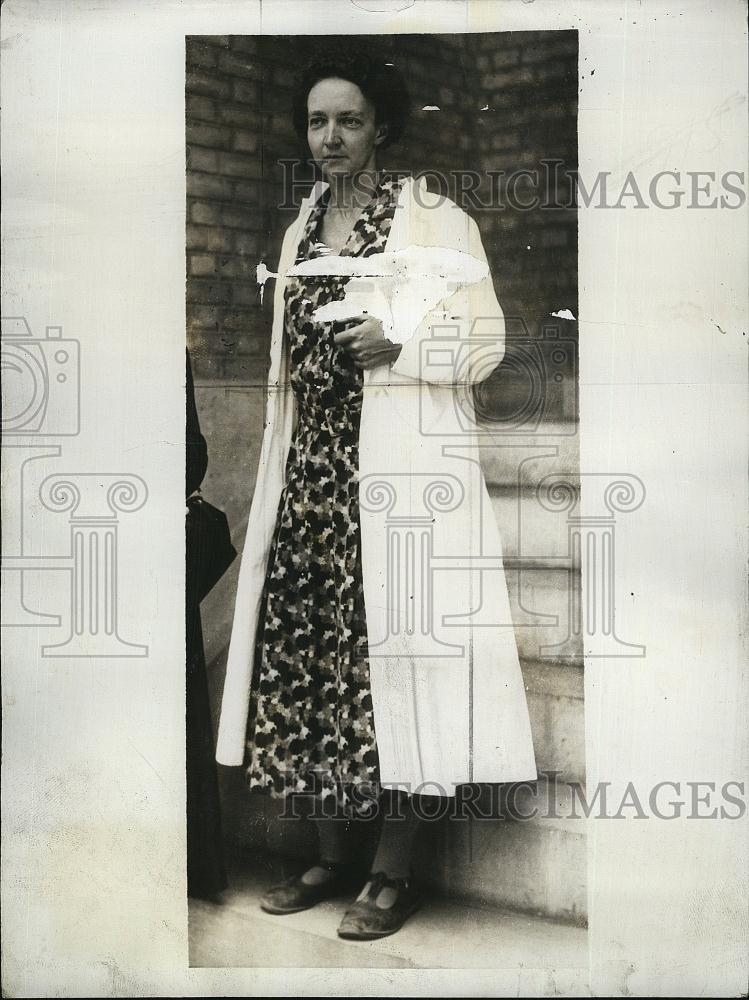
[(205, 865)]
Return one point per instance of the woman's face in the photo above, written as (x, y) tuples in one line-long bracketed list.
[(341, 128)]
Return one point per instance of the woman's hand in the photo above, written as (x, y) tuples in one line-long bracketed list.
[(366, 343)]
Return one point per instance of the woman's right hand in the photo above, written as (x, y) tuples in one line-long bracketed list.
[(366, 343)]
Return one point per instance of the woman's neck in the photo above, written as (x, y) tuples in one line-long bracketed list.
[(349, 193)]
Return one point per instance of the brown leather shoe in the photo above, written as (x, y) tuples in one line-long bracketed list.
[(294, 895), (366, 920)]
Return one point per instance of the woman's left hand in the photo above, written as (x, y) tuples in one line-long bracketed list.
[(366, 343)]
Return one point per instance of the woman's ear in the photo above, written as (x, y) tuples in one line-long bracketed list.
[(381, 134)]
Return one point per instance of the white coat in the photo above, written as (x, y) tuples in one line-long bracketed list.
[(448, 695)]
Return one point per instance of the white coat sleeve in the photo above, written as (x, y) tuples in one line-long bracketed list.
[(461, 340)]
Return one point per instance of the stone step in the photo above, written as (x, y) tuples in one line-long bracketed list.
[(526, 458), (524, 955), (535, 865), (530, 533), (540, 598), (555, 705)]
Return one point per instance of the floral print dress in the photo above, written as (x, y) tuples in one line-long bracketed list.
[(311, 724)]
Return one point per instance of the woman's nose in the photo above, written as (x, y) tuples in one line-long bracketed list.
[(332, 138)]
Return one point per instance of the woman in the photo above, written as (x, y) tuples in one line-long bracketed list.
[(359, 683)]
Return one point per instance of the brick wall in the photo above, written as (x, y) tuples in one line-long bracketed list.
[(224, 204), (530, 80), (238, 97)]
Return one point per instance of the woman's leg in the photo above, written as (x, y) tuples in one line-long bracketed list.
[(330, 876), (334, 836), (389, 896), (400, 826)]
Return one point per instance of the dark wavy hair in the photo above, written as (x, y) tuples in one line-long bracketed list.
[(379, 81)]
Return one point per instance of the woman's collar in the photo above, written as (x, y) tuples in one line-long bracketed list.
[(320, 187)]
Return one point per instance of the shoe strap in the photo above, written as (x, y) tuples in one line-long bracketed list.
[(380, 880)]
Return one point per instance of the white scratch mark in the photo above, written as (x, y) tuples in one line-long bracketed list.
[(399, 288), (261, 276), (563, 314)]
